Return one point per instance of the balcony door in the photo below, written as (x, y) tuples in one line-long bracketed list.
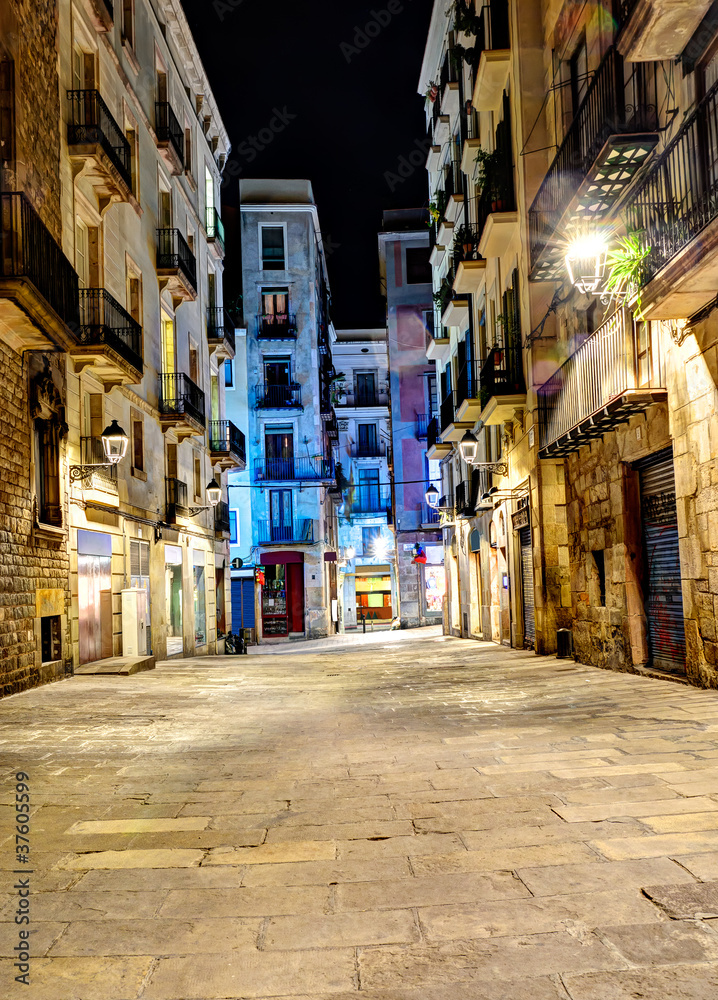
[(367, 441), (365, 389), (277, 379), (279, 453), (369, 490), (280, 515), (275, 306), (168, 343)]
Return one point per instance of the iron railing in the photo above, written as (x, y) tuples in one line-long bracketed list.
[(215, 227), (288, 469), (501, 374), (91, 122), (299, 531), (226, 438), (447, 409), (430, 515), (679, 196), (278, 397), (498, 194), (365, 397), (432, 433), (369, 449), (612, 105), (168, 129), (104, 321), (93, 453), (179, 396), (464, 500), (176, 498), (371, 499), (422, 422), (602, 369), (277, 326), (27, 250), (221, 517), (173, 254), (467, 382), (220, 326)]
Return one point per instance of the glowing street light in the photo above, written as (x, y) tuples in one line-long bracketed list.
[(586, 263), (469, 447), (432, 497)]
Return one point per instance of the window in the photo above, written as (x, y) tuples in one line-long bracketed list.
[(165, 209), (578, 76), (187, 150), (82, 264), (418, 268), (131, 136), (211, 289), (275, 304), (50, 638), (197, 477), (273, 248), (138, 442), (369, 537), (431, 405), (128, 22), (277, 371), (429, 321), (228, 374), (209, 200), (365, 388), (233, 529), (599, 565), (134, 298), (643, 353), (140, 573), (161, 85), (367, 447), (368, 495), (200, 610), (194, 365), (171, 461), (7, 114), (47, 471)]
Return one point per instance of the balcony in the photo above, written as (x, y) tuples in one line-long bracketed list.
[(470, 277), (369, 449), (331, 424), (227, 445), (371, 499), (453, 184), (597, 388), (449, 84), (439, 345), (606, 145), (39, 302), (278, 397), (493, 42), (176, 265), (422, 422), (109, 340), (452, 428), (502, 388), (464, 502), (277, 326), (496, 215), (430, 516), (468, 392), (363, 398), (280, 470), (181, 405), (102, 14), (170, 137), (299, 532), (651, 30), (176, 500), (98, 149), (222, 524), (220, 332), (100, 485), (675, 208), (215, 231), (435, 447)]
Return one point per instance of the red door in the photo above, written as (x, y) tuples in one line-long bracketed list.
[(295, 596)]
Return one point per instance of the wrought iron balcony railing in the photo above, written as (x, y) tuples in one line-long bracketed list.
[(369, 449), (299, 532), (447, 410), (168, 130), (370, 499), (615, 104), (679, 196), (93, 453), (278, 397), (595, 389), (173, 254), (422, 422), (277, 326), (180, 396), (91, 122), (365, 397), (290, 469), (432, 433), (221, 518), (27, 250), (220, 326), (429, 515), (226, 438), (176, 498), (467, 382), (215, 227), (463, 502), (104, 321)]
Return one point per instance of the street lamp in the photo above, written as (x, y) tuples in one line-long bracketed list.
[(114, 446), (469, 447), (432, 497), (586, 263), (214, 495)]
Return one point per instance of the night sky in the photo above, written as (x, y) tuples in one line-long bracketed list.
[(356, 114)]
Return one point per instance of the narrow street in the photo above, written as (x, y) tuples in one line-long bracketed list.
[(404, 818)]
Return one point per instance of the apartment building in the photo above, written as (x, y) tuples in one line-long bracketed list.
[(121, 151), (291, 424), (406, 284), (479, 83), (367, 584), (627, 390)]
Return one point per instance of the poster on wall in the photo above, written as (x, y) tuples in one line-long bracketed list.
[(434, 589)]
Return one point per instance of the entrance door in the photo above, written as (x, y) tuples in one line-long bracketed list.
[(367, 441), (94, 593), (527, 584), (366, 389), (279, 453), (664, 599), (280, 511), (277, 377), (295, 595)]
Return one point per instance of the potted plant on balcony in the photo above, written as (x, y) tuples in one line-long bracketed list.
[(432, 91), (489, 179), (465, 241), (465, 17), (626, 265), (338, 389)]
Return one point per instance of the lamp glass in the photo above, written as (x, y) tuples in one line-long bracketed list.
[(468, 447), (114, 443), (214, 493), (432, 496), (586, 263)]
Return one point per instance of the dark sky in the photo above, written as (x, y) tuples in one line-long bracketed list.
[(356, 113)]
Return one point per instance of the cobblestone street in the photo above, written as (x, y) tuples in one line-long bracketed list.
[(406, 818)]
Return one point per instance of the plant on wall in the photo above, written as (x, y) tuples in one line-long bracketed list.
[(625, 266), (489, 178), (466, 240), (465, 17)]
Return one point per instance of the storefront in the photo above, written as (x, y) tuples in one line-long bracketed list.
[(373, 594), (199, 597), (434, 581), (282, 594), (173, 599), (94, 594)]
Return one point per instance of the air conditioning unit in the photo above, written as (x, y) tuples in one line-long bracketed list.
[(135, 625)]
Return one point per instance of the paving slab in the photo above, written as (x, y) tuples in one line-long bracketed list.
[(670, 943), (687, 902), (159, 936), (282, 852), (414, 892), (693, 982), (88, 978), (134, 859), (550, 881), (245, 902)]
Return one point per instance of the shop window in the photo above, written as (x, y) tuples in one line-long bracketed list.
[(200, 607), (273, 256), (50, 638)]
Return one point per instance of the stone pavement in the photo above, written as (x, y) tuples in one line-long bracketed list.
[(419, 819)]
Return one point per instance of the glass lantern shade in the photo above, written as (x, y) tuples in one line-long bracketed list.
[(214, 493), (586, 264), (114, 443), (432, 496), (468, 447)]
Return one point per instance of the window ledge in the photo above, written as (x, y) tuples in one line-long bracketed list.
[(49, 532), (131, 57), (138, 474)]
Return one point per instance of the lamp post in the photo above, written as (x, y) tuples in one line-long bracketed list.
[(114, 445)]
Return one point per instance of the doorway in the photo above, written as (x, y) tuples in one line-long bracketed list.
[(279, 453), (94, 593), (280, 515)]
